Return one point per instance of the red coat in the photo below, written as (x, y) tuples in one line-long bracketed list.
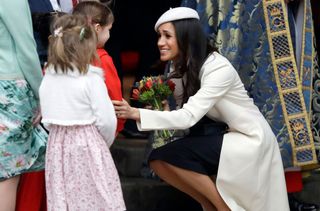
[(31, 194), (111, 80)]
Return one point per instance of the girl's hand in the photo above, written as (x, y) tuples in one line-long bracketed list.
[(125, 111), (37, 118), (165, 105)]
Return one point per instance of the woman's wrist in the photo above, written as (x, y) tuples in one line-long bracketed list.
[(135, 114)]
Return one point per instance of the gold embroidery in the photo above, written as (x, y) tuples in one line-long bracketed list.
[(289, 82)]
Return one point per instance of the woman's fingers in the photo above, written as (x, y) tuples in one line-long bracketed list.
[(117, 102), (122, 108), (118, 105), (125, 111)]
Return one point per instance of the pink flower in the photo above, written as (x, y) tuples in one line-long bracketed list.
[(5, 154), (21, 83), (3, 128), (135, 94), (18, 162)]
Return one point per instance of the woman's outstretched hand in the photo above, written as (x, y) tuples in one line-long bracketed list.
[(125, 111)]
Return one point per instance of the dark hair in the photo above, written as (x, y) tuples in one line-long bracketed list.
[(42, 22), (194, 47), (95, 12)]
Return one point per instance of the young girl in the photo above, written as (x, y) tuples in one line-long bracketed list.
[(101, 18), (80, 172)]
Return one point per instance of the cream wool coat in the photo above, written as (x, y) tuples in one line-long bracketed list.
[(250, 175)]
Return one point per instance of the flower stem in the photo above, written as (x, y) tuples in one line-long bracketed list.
[(157, 104)]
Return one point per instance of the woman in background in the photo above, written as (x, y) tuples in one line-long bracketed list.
[(22, 140)]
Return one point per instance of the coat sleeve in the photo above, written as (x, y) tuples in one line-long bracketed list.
[(102, 108), (216, 80), (17, 18)]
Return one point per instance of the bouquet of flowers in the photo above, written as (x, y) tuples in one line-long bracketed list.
[(153, 90)]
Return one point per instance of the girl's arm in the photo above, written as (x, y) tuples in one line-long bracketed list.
[(102, 109)]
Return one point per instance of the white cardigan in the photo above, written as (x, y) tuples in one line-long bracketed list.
[(250, 175), (75, 99)]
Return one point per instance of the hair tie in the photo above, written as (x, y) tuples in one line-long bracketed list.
[(82, 33), (58, 32)]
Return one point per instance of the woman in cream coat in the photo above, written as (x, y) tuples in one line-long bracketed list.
[(249, 172)]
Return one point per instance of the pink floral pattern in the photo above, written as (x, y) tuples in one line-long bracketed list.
[(80, 172)]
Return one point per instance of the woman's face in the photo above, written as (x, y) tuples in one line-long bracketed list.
[(103, 33), (167, 42)]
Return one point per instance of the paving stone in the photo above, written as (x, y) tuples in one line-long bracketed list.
[(151, 195), (128, 155)]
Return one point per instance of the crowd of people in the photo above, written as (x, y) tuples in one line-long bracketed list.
[(62, 108)]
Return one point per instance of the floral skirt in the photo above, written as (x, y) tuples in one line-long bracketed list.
[(22, 146), (80, 172)]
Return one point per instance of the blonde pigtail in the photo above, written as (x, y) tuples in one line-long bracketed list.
[(72, 44)]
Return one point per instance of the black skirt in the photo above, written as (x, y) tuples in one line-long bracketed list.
[(198, 152)]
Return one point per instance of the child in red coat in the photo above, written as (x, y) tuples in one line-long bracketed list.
[(101, 18)]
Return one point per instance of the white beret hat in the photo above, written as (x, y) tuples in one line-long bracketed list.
[(177, 13)]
